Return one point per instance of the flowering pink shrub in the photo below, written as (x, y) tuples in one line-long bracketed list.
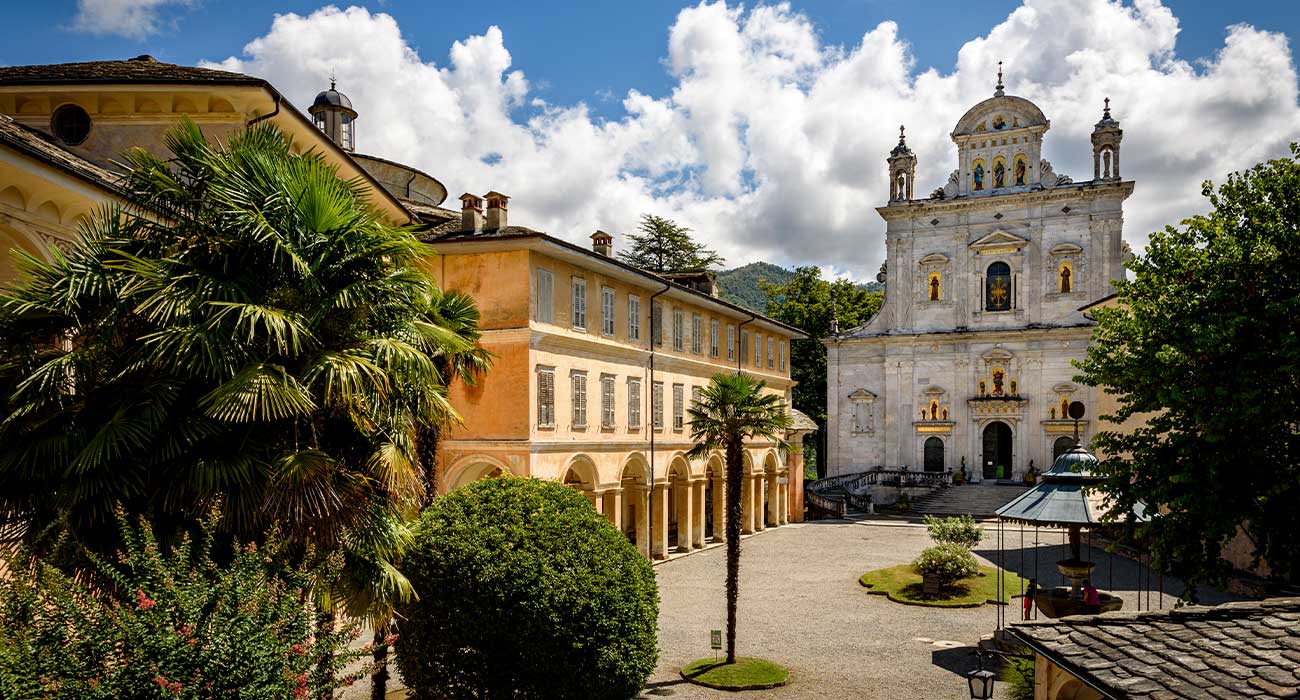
[(172, 624)]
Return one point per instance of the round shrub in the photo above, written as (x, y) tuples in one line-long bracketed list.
[(525, 591), (959, 530), (949, 563)]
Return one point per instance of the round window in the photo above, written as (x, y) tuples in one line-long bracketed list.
[(70, 124)]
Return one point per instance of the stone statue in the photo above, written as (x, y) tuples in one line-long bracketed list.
[(1065, 279), (934, 289)]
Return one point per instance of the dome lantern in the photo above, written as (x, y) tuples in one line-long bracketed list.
[(332, 113)]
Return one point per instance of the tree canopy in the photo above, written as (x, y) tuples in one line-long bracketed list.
[(805, 302), (1204, 345), (665, 246), (247, 334)]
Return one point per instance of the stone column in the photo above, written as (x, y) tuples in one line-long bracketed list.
[(699, 524), (759, 507), (719, 510), (613, 505), (773, 499), (642, 495), (659, 528), (782, 501), (684, 494), (597, 500), (747, 504)]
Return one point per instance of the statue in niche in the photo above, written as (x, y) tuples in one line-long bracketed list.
[(934, 288), (982, 388), (979, 176), (934, 410), (1014, 392), (999, 175), (922, 414), (999, 122), (1065, 405), (1065, 279), (1052, 413), (1020, 172), (997, 382), (945, 413)]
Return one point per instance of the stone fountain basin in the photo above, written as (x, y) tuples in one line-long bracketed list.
[(1056, 602), (1075, 569)]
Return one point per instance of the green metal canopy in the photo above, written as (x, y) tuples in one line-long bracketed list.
[(1065, 495)]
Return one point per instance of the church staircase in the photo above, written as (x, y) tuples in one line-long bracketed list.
[(978, 500), (837, 496)]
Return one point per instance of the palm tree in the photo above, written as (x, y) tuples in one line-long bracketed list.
[(244, 333), (733, 408)]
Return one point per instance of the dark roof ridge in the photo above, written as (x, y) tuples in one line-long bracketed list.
[(137, 71)]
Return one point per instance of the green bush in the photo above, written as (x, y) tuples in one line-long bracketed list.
[(959, 530), (525, 592), (169, 623), (1018, 674), (949, 563)]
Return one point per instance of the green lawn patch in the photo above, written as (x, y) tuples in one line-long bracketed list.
[(745, 674), (903, 585)]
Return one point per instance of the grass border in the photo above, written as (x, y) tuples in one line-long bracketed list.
[(712, 663), (889, 593)]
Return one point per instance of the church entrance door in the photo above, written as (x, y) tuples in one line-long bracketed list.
[(934, 455), (997, 451)]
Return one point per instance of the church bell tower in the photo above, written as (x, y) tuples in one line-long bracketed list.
[(332, 113), (1106, 136), (902, 170)]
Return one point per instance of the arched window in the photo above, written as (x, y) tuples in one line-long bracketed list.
[(998, 287), (1061, 446), (934, 454)]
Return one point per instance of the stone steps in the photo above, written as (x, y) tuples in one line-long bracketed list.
[(980, 500)]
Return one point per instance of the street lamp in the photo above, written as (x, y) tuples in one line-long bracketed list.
[(981, 684)]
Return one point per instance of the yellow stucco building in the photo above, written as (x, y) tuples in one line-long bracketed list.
[(582, 389), (596, 362)]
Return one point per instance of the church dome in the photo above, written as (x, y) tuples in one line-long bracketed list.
[(332, 98), (999, 113)]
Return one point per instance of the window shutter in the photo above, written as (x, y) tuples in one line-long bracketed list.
[(545, 296)]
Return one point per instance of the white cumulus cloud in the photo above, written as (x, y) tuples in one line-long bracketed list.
[(771, 144), (133, 19)]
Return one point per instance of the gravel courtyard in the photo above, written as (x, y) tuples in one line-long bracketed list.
[(801, 605)]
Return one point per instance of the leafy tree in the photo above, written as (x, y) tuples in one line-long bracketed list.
[(245, 333), (196, 621), (665, 246), (526, 592), (808, 303), (960, 530), (949, 562), (734, 408), (1204, 344)]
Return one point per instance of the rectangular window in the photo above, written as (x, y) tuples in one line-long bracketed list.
[(780, 356), (546, 396), (633, 317), (758, 350), (545, 296), (713, 337), (579, 303), (657, 405), (657, 323), (771, 352), (607, 310), (633, 402), (697, 334), (679, 419), (678, 322), (579, 399), (606, 400), (731, 343), (744, 345), (696, 393)]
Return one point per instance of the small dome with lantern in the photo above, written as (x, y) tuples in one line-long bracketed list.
[(332, 113)]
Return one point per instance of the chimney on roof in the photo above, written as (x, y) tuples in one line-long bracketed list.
[(471, 212), (602, 243), (496, 209)]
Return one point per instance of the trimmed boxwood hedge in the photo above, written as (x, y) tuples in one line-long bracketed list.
[(525, 591)]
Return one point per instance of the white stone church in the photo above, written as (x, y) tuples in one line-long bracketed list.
[(968, 361)]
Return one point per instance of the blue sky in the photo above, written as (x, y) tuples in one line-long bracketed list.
[(762, 127), (578, 50)]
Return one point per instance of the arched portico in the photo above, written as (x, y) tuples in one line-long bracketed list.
[(581, 476), (681, 504), (628, 506), (472, 468), (716, 498)]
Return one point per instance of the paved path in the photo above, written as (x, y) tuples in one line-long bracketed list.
[(801, 604)]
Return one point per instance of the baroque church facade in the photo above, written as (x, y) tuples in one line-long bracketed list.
[(968, 363)]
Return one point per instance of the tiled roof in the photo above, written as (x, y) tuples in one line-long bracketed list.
[(801, 421), (429, 214), (1235, 650), (137, 70), (452, 231), (41, 147)]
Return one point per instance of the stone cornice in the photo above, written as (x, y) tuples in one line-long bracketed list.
[(1084, 330), (930, 207)]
